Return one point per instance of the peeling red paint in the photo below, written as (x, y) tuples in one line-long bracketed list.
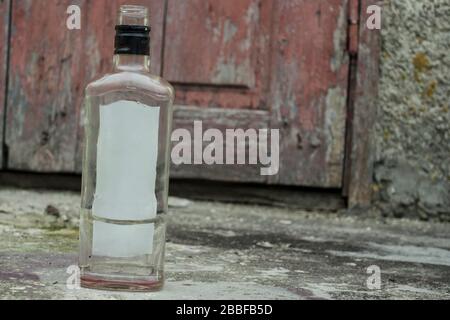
[(285, 59), (49, 68), (217, 52), (307, 41)]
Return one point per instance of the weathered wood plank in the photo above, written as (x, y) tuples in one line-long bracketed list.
[(221, 119), (49, 69), (4, 31), (309, 90), (364, 112), (217, 52)]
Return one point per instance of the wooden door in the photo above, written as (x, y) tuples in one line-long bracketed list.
[(264, 64), (217, 54), (234, 64), (48, 71)]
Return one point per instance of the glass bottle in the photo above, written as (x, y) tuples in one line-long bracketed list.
[(128, 116)]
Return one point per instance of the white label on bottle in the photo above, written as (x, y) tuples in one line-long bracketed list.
[(127, 154), (122, 241)]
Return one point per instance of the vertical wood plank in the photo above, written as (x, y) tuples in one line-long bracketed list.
[(309, 90), (4, 31), (220, 119), (49, 69), (364, 112)]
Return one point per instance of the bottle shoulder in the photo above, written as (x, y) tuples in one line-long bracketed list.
[(131, 81)]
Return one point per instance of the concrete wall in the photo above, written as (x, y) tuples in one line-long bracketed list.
[(412, 172)]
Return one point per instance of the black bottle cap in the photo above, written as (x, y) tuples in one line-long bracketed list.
[(132, 39)]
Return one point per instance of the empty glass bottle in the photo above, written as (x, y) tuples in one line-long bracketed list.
[(128, 116)]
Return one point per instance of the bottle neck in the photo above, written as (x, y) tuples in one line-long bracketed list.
[(131, 63)]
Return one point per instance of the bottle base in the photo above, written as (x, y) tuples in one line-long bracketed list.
[(120, 284)]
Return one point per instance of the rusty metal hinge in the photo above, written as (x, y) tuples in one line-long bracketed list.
[(353, 27)]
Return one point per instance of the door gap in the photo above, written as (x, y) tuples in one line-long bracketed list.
[(5, 148)]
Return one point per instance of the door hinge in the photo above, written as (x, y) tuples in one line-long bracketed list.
[(353, 27)]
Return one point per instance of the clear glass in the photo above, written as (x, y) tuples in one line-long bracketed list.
[(133, 15), (129, 81)]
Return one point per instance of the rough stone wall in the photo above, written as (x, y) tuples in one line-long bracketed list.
[(412, 171)]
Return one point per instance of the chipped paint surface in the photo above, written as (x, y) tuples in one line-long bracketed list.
[(229, 30), (49, 69), (283, 58), (218, 38), (340, 40), (228, 71), (335, 116), (309, 86), (289, 43)]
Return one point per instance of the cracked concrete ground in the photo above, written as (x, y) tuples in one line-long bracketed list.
[(227, 251)]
